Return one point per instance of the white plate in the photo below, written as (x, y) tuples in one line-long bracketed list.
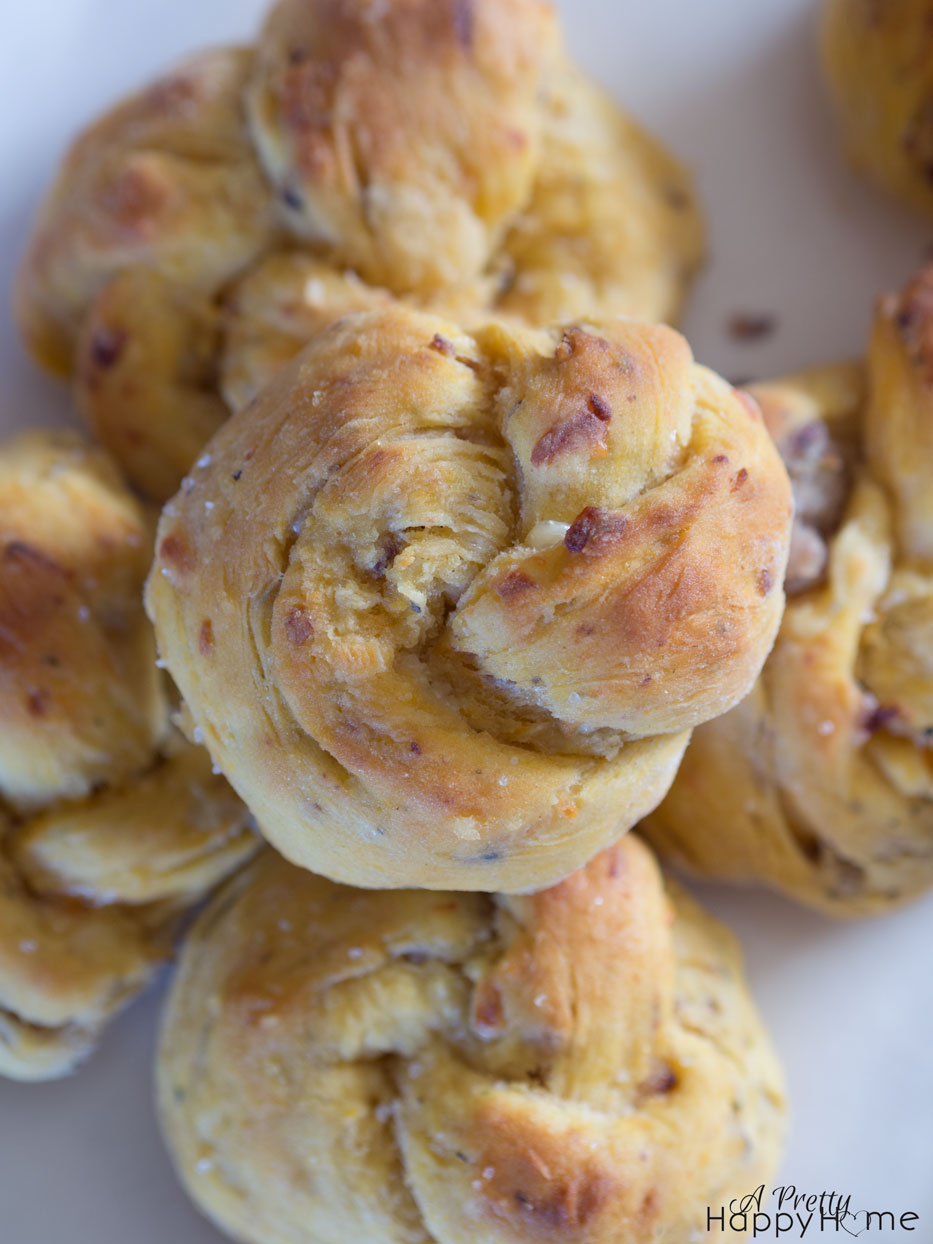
[(734, 87)]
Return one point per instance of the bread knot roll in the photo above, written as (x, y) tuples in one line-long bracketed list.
[(880, 73), (167, 180), (445, 152), (82, 700), (111, 824), (821, 782), (609, 228), (403, 136), (582, 1064), (445, 605)]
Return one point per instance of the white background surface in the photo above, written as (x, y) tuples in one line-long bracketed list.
[(734, 87)]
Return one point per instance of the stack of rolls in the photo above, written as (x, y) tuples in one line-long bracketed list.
[(444, 607), (459, 544)]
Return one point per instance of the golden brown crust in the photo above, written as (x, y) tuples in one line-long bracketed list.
[(402, 136), (65, 969), (878, 58), (899, 417), (276, 309), (110, 825), (80, 697), (170, 835), (145, 377), (821, 782), (466, 592), (583, 1064), (165, 180), (612, 225)]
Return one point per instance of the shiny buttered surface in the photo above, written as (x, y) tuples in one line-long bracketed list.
[(404, 1067), (442, 152), (821, 782), (111, 824), (444, 606), (878, 58)]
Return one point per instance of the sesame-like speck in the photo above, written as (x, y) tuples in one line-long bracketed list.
[(477, 1184), (216, 770), (503, 781), (415, 1070), (205, 1164), (383, 1112), (203, 461), (488, 1172), (167, 572), (826, 727), (208, 505), (540, 999), (354, 953), (160, 664), (197, 734), (598, 900)]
